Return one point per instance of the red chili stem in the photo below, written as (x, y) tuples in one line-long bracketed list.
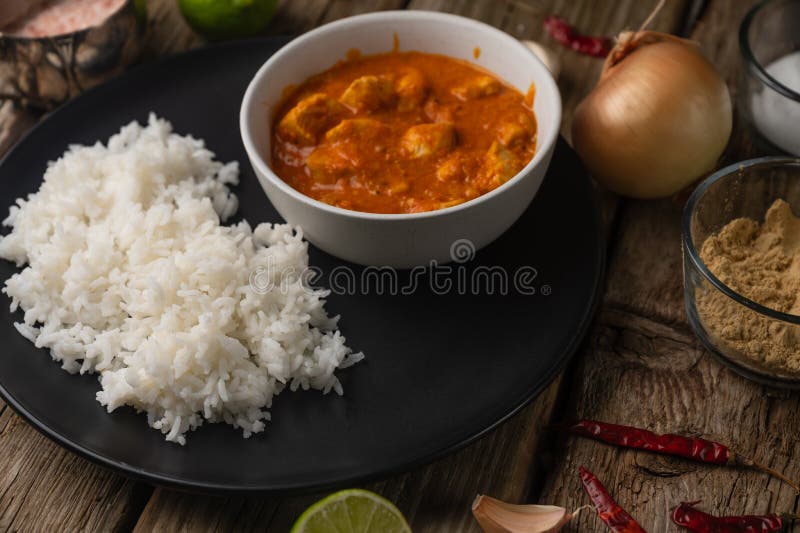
[(697, 521), (566, 34), (693, 448), (738, 460), (615, 517)]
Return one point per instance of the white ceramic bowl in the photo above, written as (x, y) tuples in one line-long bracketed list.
[(400, 240)]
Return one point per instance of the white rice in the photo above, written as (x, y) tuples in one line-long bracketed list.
[(130, 275)]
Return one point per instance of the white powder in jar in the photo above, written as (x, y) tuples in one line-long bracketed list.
[(776, 116)]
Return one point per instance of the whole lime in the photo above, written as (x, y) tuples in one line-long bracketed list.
[(226, 19)]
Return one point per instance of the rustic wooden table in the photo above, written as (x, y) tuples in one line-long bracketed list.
[(641, 364)]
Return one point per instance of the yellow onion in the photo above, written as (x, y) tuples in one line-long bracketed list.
[(496, 516), (658, 119)]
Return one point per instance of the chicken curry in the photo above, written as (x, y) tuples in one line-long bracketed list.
[(402, 132)]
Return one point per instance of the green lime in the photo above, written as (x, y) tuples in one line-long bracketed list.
[(352, 511), (224, 19)]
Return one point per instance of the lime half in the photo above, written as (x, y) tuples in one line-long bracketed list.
[(352, 511)]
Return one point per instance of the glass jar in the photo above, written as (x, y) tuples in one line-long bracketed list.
[(745, 335), (769, 83)]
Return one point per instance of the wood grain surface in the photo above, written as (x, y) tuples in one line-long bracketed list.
[(641, 363)]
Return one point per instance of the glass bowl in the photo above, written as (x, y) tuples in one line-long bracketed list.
[(769, 82), (717, 313)]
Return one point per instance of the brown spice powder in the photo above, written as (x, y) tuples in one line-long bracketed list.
[(762, 262)]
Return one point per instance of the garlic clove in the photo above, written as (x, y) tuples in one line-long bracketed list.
[(495, 516)]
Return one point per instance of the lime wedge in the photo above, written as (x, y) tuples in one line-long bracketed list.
[(352, 511)]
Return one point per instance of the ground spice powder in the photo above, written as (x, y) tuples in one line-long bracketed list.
[(762, 262)]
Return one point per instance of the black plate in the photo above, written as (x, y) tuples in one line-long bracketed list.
[(441, 370)]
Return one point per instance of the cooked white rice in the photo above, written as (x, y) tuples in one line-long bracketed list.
[(130, 274)]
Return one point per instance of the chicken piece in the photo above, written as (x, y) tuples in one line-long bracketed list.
[(451, 169), (518, 132), (436, 112), (308, 119), (458, 167), (477, 88), (369, 93), (360, 130), (389, 185), (413, 205), (397, 186), (411, 90), (428, 139), (348, 146), (499, 165), (327, 164)]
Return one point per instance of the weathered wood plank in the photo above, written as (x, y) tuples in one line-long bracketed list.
[(43, 487), (642, 372), (645, 367), (14, 122), (649, 241), (172, 511), (167, 31), (347, 8), (297, 17)]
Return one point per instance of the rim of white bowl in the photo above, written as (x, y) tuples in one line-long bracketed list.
[(447, 18)]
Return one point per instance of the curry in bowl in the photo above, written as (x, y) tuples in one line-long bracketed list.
[(402, 132)]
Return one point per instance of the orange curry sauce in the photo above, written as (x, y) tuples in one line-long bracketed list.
[(402, 132)]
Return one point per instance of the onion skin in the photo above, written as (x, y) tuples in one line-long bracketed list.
[(658, 119)]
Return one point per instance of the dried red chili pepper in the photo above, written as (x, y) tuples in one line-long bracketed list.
[(566, 34), (615, 517), (696, 449), (688, 516)]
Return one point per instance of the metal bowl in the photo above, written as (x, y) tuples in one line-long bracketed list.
[(43, 72)]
